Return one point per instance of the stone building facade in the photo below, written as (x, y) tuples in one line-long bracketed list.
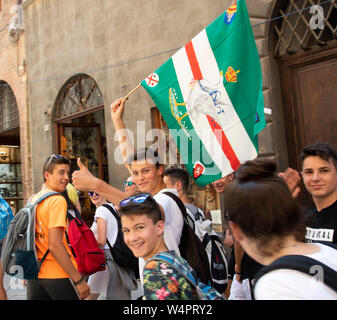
[(110, 46), (15, 126)]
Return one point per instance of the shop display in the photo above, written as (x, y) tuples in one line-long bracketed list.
[(10, 177)]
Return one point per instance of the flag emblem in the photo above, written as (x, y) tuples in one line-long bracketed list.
[(230, 14), (152, 80), (198, 170), (206, 99), (231, 75), (177, 113)]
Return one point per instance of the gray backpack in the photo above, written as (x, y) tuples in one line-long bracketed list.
[(18, 255)]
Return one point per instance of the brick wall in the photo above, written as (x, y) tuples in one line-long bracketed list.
[(12, 70)]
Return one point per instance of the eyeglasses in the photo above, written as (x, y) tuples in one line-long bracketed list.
[(140, 198), (56, 156), (128, 183), (92, 193)]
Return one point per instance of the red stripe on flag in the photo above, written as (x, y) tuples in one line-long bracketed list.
[(224, 143), (217, 130), (192, 58)]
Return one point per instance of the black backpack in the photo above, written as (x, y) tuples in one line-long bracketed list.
[(120, 251), (191, 247), (214, 248), (303, 264)]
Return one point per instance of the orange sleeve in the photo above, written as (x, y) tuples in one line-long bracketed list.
[(57, 212)]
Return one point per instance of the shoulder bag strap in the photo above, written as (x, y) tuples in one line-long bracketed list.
[(179, 203), (303, 264)]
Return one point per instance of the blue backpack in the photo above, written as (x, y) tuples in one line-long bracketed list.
[(181, 266), (6, 216)]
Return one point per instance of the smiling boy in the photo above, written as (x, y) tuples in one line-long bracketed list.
[(143, 229), (319, 173), (58, 277)]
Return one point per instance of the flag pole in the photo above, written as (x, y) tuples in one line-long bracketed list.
[(131, 92)]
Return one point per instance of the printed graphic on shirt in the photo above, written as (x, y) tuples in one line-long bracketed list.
[(313, 234)]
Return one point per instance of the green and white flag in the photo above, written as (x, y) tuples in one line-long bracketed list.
[(210, 96)]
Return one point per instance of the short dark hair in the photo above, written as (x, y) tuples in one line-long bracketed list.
[(320, 149), (147, 153), (149, 207), (178, 174), (52, 161), (260, 203)]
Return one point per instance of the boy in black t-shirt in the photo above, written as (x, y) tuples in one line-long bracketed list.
[(319, 173)]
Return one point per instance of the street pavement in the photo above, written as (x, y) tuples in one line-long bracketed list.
[(16, 290)]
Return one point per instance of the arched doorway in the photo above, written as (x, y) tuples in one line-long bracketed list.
[(10, 162), (307, 56), (79, 127)]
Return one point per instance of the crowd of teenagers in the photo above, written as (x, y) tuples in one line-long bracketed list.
[(272, 248)]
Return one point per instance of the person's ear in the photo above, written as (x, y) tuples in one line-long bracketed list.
[(160, 227), (160, 170), (46, 175), (236, 231), (178, 186)]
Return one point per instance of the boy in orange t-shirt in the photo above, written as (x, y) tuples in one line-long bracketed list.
[(58, 276)]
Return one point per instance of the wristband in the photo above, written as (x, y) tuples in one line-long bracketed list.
[(79, 281)]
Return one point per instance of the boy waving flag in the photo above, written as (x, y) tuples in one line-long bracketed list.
[(210, 96)]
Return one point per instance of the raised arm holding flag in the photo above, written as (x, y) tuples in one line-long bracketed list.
[(210, 96)]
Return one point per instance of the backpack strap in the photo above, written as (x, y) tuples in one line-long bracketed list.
[(115, 214), (179, 203), (39, 200), (47, 195), (303, 264), (112, 210), (177, 265)]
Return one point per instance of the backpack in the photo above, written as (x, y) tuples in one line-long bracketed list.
[(6, 216), (120, 251), (303, 264), (191, 247), (89, 257), (181, 266), (19, 244), (215, 250), (216, 256), (196, 212)]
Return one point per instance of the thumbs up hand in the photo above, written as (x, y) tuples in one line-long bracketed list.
[(81, 165), (83, 180)]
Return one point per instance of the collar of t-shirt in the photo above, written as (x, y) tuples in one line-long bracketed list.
[(331, 207)]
